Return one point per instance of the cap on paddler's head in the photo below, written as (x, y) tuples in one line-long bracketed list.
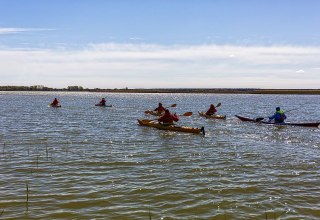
[(278, 109)]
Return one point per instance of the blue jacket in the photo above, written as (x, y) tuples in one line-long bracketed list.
[(278, 117)]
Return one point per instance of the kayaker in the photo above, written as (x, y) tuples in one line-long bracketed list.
[(168, 118), (160, 108), (212, 110), (55, 102), (102, 102), (278, 116)]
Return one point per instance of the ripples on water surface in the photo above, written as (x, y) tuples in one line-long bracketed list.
[(85, 162)]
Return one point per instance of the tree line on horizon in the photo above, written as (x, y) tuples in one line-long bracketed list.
[(167, 90)]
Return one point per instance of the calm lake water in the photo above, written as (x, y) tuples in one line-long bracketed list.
[(86, 162)]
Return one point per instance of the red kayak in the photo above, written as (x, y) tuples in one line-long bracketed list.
[(313, 124)]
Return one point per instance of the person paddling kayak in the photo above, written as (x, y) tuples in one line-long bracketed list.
[(160, 108), (212, 110), (55, 103), (102, 102), (168, 118), (278, 116)]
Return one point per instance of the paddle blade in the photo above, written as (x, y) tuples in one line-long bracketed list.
[(218, 105), (147, 112), (173, 105), (187, 114), (259, 119)]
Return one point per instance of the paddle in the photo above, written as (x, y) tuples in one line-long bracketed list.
[(260, 119), (187, 114)]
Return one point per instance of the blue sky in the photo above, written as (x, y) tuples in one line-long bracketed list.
[(165, 43)]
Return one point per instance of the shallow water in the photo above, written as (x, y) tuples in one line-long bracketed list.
[(86, 162)]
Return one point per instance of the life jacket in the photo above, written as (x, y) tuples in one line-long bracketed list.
[(103, 102), (212, 110), (168, 118), (282, 116), (55, 102)]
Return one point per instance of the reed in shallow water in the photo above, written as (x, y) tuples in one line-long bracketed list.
[(27, 198)]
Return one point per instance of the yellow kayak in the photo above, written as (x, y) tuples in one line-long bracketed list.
[(203, 114), (156, 124)]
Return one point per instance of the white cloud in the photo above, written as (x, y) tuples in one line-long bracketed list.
[(300, 71), (11, 30), (20, 30), (146, 65)]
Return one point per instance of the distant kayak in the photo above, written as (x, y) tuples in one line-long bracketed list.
[(154, 113), (308, 124), (203, 114), (99, 105), (55, 106), (156, 124)]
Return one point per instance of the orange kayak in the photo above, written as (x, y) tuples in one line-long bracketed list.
[(156, 124)]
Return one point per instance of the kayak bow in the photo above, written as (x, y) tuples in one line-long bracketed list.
[(308, 124), (156, 124)]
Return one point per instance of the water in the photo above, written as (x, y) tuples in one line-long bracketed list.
[(86, 162)]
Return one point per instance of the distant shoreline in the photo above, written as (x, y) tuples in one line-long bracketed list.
[(172, 90)]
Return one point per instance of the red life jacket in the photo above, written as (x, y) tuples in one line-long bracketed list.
[(55, 102), (212, 110), (168, 118)]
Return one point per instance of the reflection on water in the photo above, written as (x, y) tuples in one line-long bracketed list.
[(86, 162)]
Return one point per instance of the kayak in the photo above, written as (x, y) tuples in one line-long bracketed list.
[(55, 106), (103, 105), (308, 124), (154, 113), (156, 124), (203, 114)]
